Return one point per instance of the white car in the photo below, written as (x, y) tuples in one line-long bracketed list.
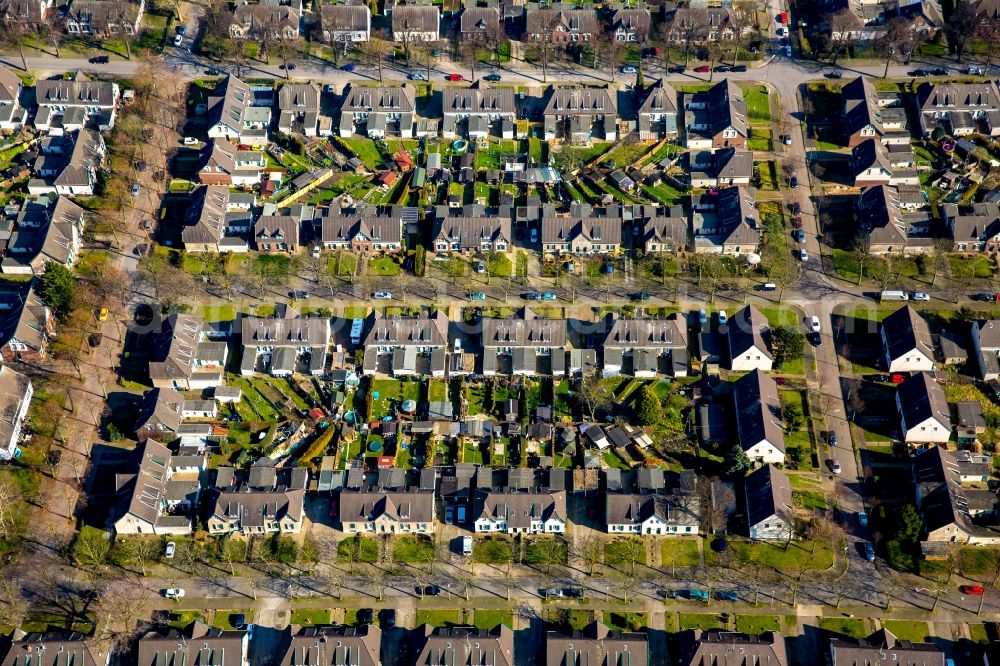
[(417, 76), (629, 69), (171, 549), (178, 40), (723, 318), (174, 593), (781, 32), (835, 465), (190, 141), (919, 296), (814, 324), (382, 294), (803, 255)]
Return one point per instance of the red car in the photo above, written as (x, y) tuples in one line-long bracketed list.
[(783, 18), (455, 77), (972, 589), (797, 222), (703, 69), (898, 378)]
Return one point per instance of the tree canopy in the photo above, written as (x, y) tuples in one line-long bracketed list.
[(57, 288)]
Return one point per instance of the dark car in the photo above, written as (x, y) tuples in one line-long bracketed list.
[(431, 590), (793, 181), (642, 296), (575, 592), (834, 75), (740, 68), (918, 72), (939, 71), (727, 595), (676, 69), (364, 616), (987, 298), (349, 67), (723, 68), (795, 208), (799, 236), (879, 378), (797, 221), (532, 296), (99, 60), (720, 545), (387, 618), (181, 29), (213, 71), (238, 620)]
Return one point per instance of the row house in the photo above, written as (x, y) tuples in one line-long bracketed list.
[(360, 232), (72, 174), (330, 645), (651, 502), (102, 18), (50, 649), (268, 501), (727, 222), (726, 167), (298, 110), (464, 646), (47, 230), (416, 23), (188, 355), (757, 408), (284, 343), (769, 505), (985, 350), (959, 109), (480, 25), (870, 114), (924, 414), (520, 501), (478, 112), (13, 116), (882, 647), (646, 347), (401, 346), (580, 115), (700, 25), (906, 342), (597, 645), (74, 102), (197, 643), (265, 22), (233, 115), (657, 115), (581, 235), (219, 220), (466, 234), (26, 327), (524, 344), (388, 501), (717, 646), (716, 118), (630, 25), (666, 232), (153, 497), (277, 233), (16, 392), (973, 229), (27, 13), (378, 111), (345, 23), (865, 20), (227, 165), (874, 163), (889, 219), (561, 24)]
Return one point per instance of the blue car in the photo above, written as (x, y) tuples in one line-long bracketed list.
[(548, 296), (349, 67), (727, 595)]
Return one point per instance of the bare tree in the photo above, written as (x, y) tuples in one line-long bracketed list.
[(140, 550), (592, 394), (375, 50), (844, 28), (691, 25), (961, 26), (590, 549)]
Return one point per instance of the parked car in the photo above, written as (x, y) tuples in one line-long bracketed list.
[(676, 69), (135, 189), (739, 68), (832, 439), (642, 296), (460, 514), (797, 221), (190, 141), (238, 620), (349, 67), (835, 466), (629, 69), (834, 75), (919, 296), (793, 182), (430, 590), (869, 551), (171, 549), (723, 318), (799, 236), (814, 324), (608, 269), (479, 267), (99, 60), (364, 616), (720, 545), (976, 71), (178, 40), (694, 594), (795, 208), (879, 378), (767, 286), (787, 139), (477, 296), (549, 296), (939, 71), (102, 314), (781, 32), (387, 618), (174, 593), (918, 72), (976, 590), (987, 298), (493, 78), (703, 317), (382, 294), (454, 77), (897, 378), (727, 595), (803, 255), (573, 592), (862, 519), (552, 593), (723, 68), (703, 69), (532, 296), (417, 76)]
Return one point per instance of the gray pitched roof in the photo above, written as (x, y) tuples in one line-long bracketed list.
[(81, 92), (580, 101), (526, 330), (49, 649), (175, 346), (464, 646), (726, 108), (768, 494), (904, 331), (298, 97), (596, 645), (667, 333), (415, 18), (748, 329), (478, 99), (206, 215), (389, 99), (738, 216), (560, 18), (345, 17), (882, 647), (479, 21), (409, 504), (601, 230), (758, 410), (922, 398), (870, 154), (408, 331), (345, 228), (716, 647), (334, 646), (661, 98), (285, 332)]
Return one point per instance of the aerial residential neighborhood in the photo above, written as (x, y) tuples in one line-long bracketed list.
[(429, 333)]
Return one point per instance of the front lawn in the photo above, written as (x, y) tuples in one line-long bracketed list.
[(767, 175), (310, 617), (489, 618), (358, 549), (500, 266), (624, 552), (776, 556), (907, 630), (758, 103), (384, 266), (681, 553), (703, 621), (757, 624), (546, 551), (439, 617), (491, 550), (843, 626), (410, 548), (623, 621), (970, 266)]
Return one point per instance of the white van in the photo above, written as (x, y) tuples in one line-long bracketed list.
[(893, 295), (466, 546)]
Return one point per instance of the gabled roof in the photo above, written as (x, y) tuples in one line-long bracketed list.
[(933, 97), (861, 107), (479, 20), (580, 101), (718, 648), (464, 646), (252, 507), (408, 331), (878, 210), (195, 644), (88, 151), (478, 99), (229, 107), (345, 228), (470, 231), (10, 84), (768, 494), (726, 108), (905, 331), (79, 92), (13, 390), (631, 20), (883, 647), (519, 507), (667, 333), (870, 154), (161, 409), (940, 496), (670, 228), (749, 329), (298, 97), (28, 321), (596, 645), (285, 332), (277, 228), (661, 98), (345, 17), (415, 18), (50, 649), (334, 646), (524, 330), (271, 17), (384, 99), (758, 411), (601, 230), (560, 18), (175, 347), (922, 398), (411, 504)]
